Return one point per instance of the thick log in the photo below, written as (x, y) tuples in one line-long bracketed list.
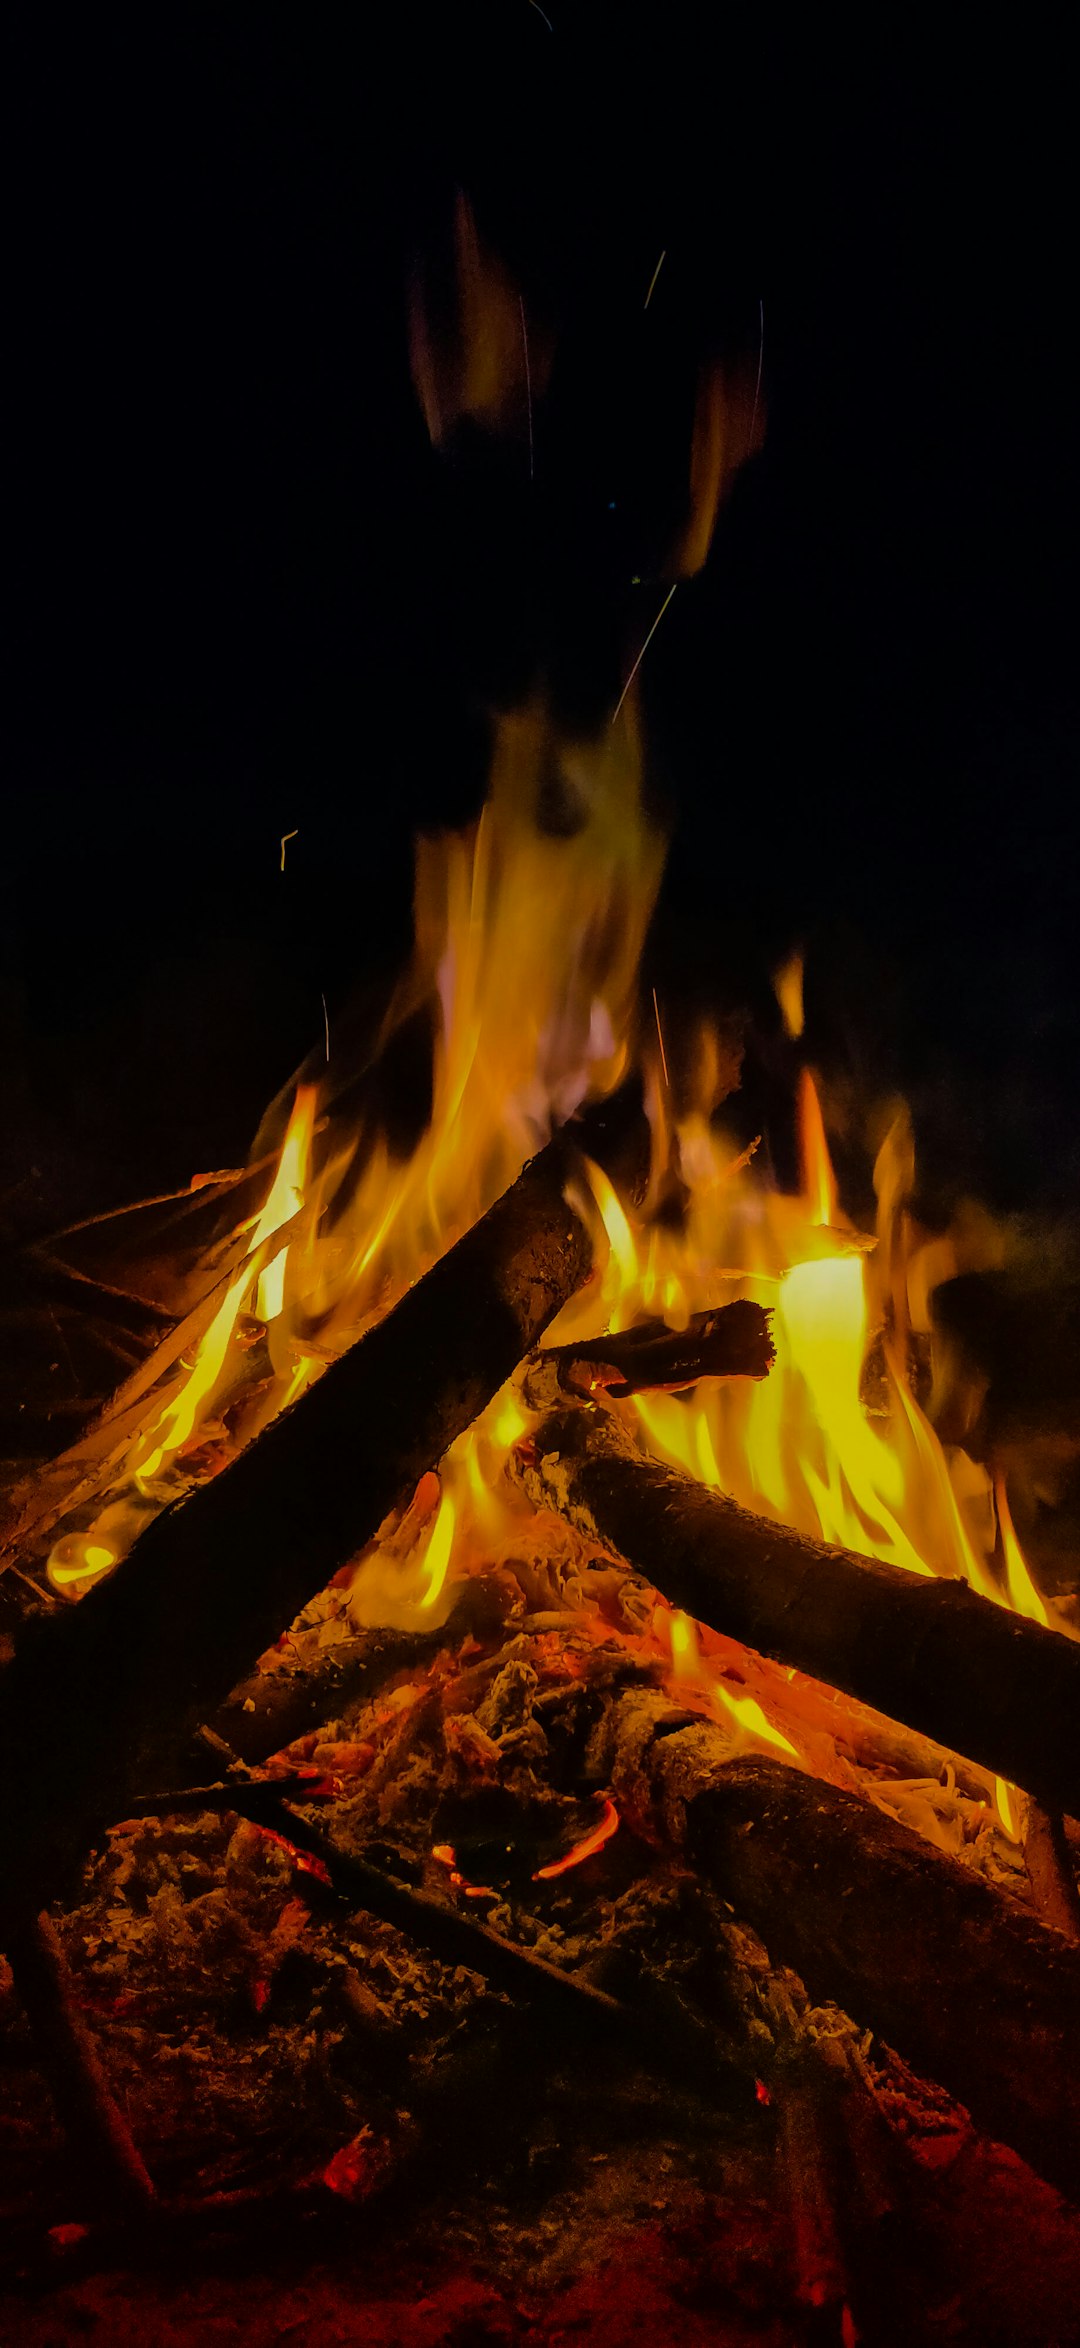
[(946, 1969), (913, 1944), (98, 1702), (980, 1680)]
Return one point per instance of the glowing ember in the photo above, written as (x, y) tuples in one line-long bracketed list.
[(586, 1848), (447, 1857)]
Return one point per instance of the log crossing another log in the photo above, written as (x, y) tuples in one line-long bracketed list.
[(982, 1681), (917, 1946), (914, 1945), (97, 1702)]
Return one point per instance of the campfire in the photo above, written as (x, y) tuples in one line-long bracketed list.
[(543, 1604)]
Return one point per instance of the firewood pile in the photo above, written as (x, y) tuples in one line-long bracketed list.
[(553, 1937)]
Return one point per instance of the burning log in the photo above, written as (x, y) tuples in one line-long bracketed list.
[(732, 1342), (912, 1944), (271, 1709), (983, 1681), (97, 1702)]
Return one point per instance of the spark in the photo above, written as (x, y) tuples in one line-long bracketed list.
[(660, 1040), (760, 363), (528, 379), (655, 275), (326, 1024), (644, 649), (294, 835)]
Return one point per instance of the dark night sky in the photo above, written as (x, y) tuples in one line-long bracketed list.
[(247, 597)]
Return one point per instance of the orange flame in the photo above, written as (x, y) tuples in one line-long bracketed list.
[(475, 354), (689, 1664), (529, 930), (586, 1848), (802, 1445), (522, 1034)]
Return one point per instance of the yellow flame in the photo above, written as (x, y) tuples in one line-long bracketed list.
[(529, 929), (285, 1200), (436, 1557), (182, 1414), (688, 1663), (78, 1560), (178, 1419), (621, 1276), (510, 1420), (747, 1711), (801, 1445), (1023, 1596), (818, 1181), (1003, 1794), (685, 1649)]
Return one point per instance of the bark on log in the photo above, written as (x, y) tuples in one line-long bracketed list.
[(270, 1709), (980, 1680), (911, 1943), (97, 1703), (734, 1341)]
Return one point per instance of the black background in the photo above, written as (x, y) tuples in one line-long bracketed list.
[(247, 597)]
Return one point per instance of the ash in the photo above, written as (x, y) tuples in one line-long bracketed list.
[(322, 2084)]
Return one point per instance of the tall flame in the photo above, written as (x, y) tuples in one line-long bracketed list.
[(529, 929), (802, 1445)]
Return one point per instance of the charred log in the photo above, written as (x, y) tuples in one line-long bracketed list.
[(269, 1710), (97, 1703), (912, 1944), (734, 1341), (982, 1681)]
